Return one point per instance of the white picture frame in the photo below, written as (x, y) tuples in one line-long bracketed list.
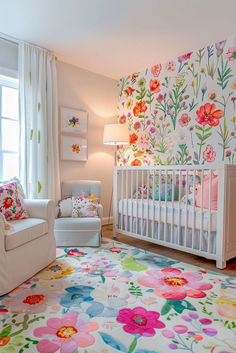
[(73, 121), (74, 148)]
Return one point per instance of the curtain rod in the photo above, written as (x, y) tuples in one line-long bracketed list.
[(18, 41)]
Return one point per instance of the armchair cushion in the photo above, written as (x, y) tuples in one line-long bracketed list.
[(83, 223), (23, 231)]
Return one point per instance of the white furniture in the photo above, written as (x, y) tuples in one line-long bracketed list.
[(84, 231), (175, 224), (29, 246)]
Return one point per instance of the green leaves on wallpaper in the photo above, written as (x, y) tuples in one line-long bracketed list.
[(182, 111)]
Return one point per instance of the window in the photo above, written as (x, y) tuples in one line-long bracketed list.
[(9, 127)]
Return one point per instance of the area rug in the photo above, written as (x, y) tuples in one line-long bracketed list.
[(118, 298)]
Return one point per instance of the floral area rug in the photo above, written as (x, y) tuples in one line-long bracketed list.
[(118, 298)]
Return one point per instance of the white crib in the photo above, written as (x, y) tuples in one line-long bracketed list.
[(206, 232)]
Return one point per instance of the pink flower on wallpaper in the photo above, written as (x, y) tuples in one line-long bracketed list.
[(153, 130), (149, 122), (144, 139), (184, 120), (137, 125), (156, 69), (209, 155), (122, 119), (231, 54), (184, 57), (170, 65)]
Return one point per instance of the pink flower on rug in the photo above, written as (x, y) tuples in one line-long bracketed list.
[(173, 284), (140, 321), (209, 155), (66, 333)]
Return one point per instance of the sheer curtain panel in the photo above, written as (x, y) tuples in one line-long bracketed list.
[(39, 157)]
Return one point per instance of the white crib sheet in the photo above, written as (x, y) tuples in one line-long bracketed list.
[(171, 215)]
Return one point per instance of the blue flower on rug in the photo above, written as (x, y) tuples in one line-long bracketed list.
[(157, 260), (75, 296)]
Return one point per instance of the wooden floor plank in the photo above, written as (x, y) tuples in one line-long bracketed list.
[(230, 270)]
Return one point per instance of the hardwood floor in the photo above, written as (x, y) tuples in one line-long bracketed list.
[(230, 270)]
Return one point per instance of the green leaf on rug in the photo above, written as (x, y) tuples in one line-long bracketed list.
[(6, 331), (130, 264), (113, 342), (177, 305)]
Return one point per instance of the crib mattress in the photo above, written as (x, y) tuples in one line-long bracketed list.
[(204, 220)]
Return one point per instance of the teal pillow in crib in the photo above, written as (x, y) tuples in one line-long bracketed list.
[(163, 191)]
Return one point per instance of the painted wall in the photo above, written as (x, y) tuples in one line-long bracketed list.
[(78, 88), (8, 57), (182, 111)]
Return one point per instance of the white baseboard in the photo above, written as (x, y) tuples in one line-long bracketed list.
[(106, 220)]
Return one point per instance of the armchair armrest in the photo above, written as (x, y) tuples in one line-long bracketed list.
[(2, 233), (44, 209), (100, 211)]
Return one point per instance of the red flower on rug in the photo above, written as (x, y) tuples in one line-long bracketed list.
[(140, 321), (115, 249), (173, 284), (208, 115)]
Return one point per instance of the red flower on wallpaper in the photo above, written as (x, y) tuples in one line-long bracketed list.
[(140, 107), (154, 86), (122, 119), (136, 163), (184, 57), (156, 69), (7, 202), (133, 138), (129, 91), (208, 115)]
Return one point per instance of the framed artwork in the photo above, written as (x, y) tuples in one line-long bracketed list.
[(74, 148), (74, 121)]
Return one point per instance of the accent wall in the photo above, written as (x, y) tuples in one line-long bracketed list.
[(182, 111)]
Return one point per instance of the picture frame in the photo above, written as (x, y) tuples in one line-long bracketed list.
[(74, 148), (73, 121)]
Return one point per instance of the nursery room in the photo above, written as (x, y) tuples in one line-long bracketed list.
[(117, 176)]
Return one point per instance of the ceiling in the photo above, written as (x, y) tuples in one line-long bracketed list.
[(118, 37)]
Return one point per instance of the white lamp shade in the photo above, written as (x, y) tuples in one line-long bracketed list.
[(116, 134)]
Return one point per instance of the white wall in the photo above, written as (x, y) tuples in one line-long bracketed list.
[(78, 88)]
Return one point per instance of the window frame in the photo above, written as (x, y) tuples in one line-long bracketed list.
[(9, 82)]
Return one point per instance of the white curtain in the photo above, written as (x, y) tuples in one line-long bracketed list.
[(39, 157)]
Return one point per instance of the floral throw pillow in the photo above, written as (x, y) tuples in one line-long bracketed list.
[(84, 207), (11, 202)]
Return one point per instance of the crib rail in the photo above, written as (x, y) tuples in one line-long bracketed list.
[(174, 206)]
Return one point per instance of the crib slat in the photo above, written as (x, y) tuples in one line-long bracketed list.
[(142, 203), (201, 203), (159, 205), (165, 219), (179, 205), (209, 213), (172, 205), (186, 208), (153, 199), (126, 197), (147, 200), (194, 200), (136, 194), (122, 197), (131, 196)]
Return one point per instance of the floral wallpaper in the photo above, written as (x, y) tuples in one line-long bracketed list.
[(182, 111)]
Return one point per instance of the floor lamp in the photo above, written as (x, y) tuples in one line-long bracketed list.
[(115, 134)]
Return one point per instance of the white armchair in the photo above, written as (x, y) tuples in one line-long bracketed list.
[(29, 246), (85, 231)]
